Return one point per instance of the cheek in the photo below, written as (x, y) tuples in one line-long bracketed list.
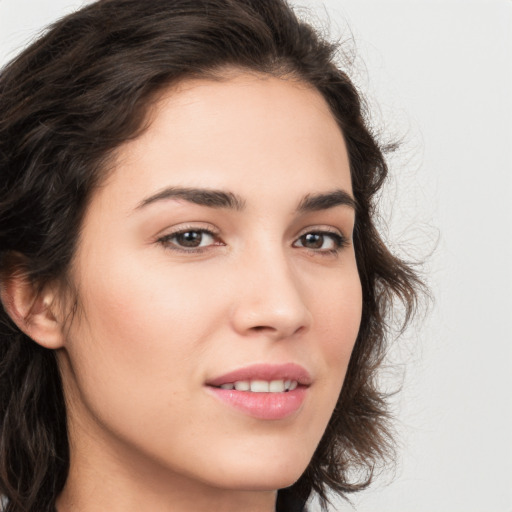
[(134, 349), (144, 325), (137, 302), (339, 319), (339, 323)]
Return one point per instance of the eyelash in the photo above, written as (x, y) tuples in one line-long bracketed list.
[(339, 241)]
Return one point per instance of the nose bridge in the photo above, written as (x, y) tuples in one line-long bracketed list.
[(270, 298)]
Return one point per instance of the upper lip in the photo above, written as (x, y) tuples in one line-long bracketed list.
[(268, 372)]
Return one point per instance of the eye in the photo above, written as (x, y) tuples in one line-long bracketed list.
[(189, 240), (321, 241)]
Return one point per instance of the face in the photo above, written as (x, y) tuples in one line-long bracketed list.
[(218, 289)]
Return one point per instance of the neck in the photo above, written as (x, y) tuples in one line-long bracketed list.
[(104, 487), (104, 475)]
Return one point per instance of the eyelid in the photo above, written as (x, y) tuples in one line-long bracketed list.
[(180, 228), (340, 240), (321, 229), (337, 236), (165, 236), (327, 230)]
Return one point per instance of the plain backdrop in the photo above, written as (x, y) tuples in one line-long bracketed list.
[(438, 76)]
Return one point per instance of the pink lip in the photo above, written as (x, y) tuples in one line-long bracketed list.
[(266, 406), (288, 371)]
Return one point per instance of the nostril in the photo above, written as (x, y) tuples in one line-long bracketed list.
[(268, 328), (261, 328)]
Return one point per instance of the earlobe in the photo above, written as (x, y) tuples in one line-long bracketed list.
[(32, 310)]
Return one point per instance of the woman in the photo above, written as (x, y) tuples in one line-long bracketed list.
[(194, 294)]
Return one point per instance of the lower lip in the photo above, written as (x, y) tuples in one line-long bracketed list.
[(264, 406)]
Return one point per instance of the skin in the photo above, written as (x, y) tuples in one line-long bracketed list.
[(156, 322)]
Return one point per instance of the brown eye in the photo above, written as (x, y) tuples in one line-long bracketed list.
[(189, 239), (321, 241), (312, 240)]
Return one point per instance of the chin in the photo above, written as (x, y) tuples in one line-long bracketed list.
[(262, 482), (264, 475)]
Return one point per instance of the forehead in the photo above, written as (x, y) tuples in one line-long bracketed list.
[(251, 131)]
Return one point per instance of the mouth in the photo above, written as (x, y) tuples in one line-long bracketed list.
[(264, 378), (262, 386), (266, 392)]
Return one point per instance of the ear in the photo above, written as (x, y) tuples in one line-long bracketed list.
[(32, 309)]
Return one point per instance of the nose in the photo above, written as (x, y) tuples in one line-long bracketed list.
[(270, 299)]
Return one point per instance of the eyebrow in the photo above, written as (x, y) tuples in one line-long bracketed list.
[(224, 199), (324, 201), (201, 196)]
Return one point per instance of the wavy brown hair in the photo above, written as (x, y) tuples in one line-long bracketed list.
[(74, 96)]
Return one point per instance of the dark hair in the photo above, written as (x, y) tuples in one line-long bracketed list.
[(74, 96)]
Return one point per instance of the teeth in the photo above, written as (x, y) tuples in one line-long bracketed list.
[(259, 386), (276, 386), (262, 386), (242, 385)]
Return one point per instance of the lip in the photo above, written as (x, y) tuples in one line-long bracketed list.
[(264, 406), (288, 371)]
